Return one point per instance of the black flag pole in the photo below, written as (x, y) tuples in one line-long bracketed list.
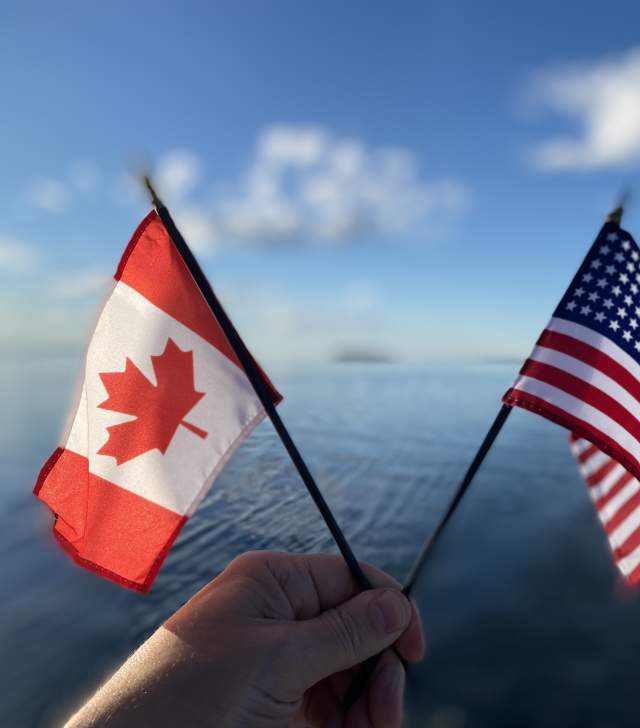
[(364, 673), (257, 382)]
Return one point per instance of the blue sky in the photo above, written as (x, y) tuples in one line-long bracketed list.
[(418, 178)]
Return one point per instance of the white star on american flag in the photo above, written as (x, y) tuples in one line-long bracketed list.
[(586, 310), (616, 290), (626, 335), (608, 303), (594, 296), (599, 317), (626, 245), (612, 237), (571, 305), (610, 269), (622, 313), (619, 257), (613, 324)]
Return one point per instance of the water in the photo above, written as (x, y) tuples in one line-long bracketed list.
[(527, 622)]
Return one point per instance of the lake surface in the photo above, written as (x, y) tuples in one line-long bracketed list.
[(527, 621)]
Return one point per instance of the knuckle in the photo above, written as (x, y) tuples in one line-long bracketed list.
[(346, 631), (247, 562)]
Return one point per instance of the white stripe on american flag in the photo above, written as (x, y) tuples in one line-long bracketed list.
[(588, 374), (606, 512), (593, 338), (607, 483), (579, 446), (630, 563), (595, 462), (580, 409)]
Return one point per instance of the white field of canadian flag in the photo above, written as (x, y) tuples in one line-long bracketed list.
[(163, 406)]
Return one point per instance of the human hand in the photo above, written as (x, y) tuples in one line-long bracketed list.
[(272, 641)]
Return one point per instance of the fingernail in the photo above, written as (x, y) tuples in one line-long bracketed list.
[(390, 612)]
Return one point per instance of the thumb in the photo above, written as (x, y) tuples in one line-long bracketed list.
[(348, 634)]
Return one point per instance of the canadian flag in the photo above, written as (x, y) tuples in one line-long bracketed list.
[(163, 406)]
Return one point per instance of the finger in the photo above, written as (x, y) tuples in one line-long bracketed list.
[(316, 582), (381, 705), (348, 634), (386, 693), (411, 644), (322, 709)]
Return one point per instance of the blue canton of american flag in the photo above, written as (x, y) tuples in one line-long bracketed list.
[(584, 374)]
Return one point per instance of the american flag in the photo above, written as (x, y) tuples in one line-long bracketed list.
[(584, 374)]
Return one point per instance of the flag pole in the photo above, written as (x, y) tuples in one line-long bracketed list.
[(364, 673), (257, 382)]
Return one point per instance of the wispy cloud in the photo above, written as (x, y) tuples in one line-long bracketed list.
[(56, 195), (50, 195), (177, 173), (305, 184), (84, 176), (16, 257), (77, 284), (603, 97), (306, 331)]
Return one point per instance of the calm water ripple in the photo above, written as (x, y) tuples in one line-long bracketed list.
[(528, 624)]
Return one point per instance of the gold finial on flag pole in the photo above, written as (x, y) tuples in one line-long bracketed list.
[(615, 215)]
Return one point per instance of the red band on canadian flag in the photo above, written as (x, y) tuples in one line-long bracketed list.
[(163, 406)]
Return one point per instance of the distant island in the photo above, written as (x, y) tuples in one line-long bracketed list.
[(356, 355)]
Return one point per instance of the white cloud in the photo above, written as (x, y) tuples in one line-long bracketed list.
[(176, 175), (56, 195), (305, 184), (77, 284), (84, 176), (49, 194), (282, 328), (198, 228), (16, 257), (603, 97)]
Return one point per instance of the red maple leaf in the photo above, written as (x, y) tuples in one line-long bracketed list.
[(159, 408)]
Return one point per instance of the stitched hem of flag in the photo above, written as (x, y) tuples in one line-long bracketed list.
[(73, 553), (145, 586), (133, 242), (541, 407)]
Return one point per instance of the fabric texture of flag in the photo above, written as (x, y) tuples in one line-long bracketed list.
[(163, 405), (584, 374)]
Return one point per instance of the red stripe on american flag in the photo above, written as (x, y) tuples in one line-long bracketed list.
[(582, 390), (593, 357), (629, 546), (622, 481), (595, 477), (586, 454), (612, 523), (518, 398)]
